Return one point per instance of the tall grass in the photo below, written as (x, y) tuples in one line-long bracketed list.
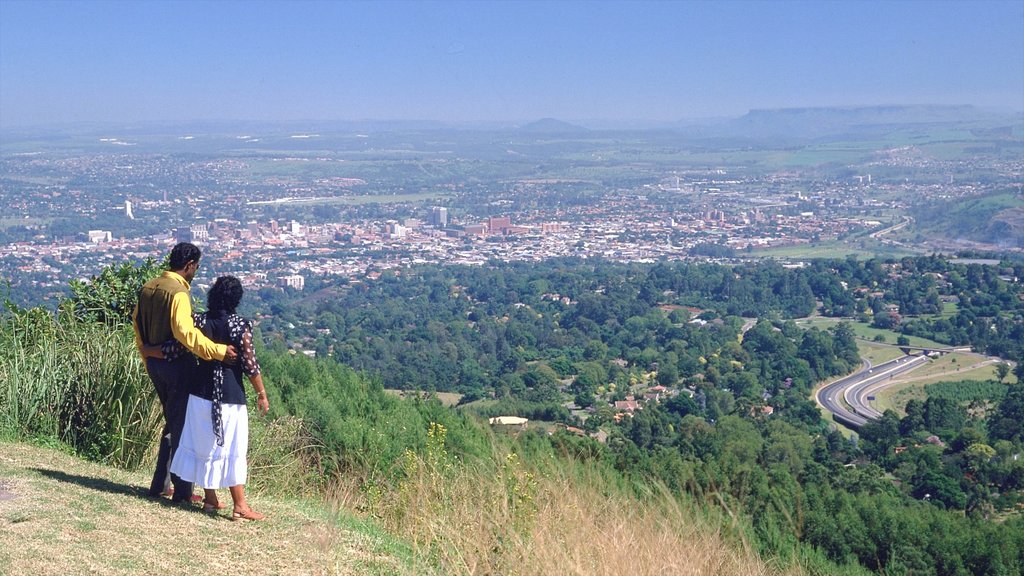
[(284, 458), (77, 382), (507, 515)]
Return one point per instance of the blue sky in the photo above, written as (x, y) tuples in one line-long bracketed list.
[(133, 61)]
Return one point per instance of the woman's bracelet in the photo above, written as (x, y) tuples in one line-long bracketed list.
[(262, 393)]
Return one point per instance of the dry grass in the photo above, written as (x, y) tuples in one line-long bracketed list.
[(68, 516), (519, 518)]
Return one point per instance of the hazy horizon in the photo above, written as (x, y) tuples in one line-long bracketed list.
[(497, 62)]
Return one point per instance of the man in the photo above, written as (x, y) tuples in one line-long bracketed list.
[(164, 311)]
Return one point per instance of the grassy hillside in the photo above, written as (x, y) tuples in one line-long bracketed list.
[(355, 481), (995, 218), (63, 515)]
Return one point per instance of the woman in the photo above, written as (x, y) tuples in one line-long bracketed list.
[(213, 448)]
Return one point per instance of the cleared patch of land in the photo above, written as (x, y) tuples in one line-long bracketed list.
[(8, 222), (867, 332), (876, 353), (446, 398)]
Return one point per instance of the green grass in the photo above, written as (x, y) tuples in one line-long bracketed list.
[(877, 354), (8, 222), (867, 332), (833, 249), (78, 383), (446, 398), (949, 309), (943, 369)]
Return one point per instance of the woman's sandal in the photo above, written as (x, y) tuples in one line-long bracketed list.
[(209, 507), (247, 514)]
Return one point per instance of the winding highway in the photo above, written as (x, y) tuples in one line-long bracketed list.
[(847, 398)]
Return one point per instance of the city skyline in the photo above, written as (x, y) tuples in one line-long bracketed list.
[(67, 62)]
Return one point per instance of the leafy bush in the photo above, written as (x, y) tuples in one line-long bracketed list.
[(111, 296)]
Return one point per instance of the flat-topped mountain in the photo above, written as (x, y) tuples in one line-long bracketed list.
[(855, 119), (551, 126)]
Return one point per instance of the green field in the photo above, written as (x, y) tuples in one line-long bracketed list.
[(866, 332), (943, 369), (446, 398), (8, 222), (949, 309), (834, 249), (877, 354)]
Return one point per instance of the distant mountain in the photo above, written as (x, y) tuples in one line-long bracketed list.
[(551, 126), (816, 122)]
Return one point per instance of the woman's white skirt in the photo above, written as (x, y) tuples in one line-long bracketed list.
[(199, 459)]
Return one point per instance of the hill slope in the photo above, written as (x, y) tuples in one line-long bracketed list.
[(62, 515)]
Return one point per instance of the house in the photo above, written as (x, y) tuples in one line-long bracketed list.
[(509, 424), (626, 405)]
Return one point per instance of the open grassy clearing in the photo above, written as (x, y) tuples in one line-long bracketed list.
[(40, 180), (62, 515), (867, 332), (446, 398), (833, 249), (8, 222), (949, 309), (877, 354), (911, 387), (808, 251)]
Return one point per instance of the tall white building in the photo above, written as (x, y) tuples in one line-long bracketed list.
[(128, 210), (439, 216), (295, 281), (99, 236), (199, 233)]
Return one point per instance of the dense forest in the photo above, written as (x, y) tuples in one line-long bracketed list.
[(477, 330)]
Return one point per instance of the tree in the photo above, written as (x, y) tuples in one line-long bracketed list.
[(668, 374), (1002, 369), (977, 455), (944, 416), (110, 297), (914, 419), (880, 436), (1006, 422)]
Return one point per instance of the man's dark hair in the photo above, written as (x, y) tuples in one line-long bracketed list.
[(182, 254), (225, 294)]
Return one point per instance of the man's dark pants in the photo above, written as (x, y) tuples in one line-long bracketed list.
[(170, 379)]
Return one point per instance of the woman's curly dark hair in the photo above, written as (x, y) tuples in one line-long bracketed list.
[(225, 294)]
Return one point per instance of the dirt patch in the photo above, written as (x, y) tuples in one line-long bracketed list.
[(7, 490)]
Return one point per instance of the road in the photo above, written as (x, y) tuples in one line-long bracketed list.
[(847, 398), (893, 228)]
